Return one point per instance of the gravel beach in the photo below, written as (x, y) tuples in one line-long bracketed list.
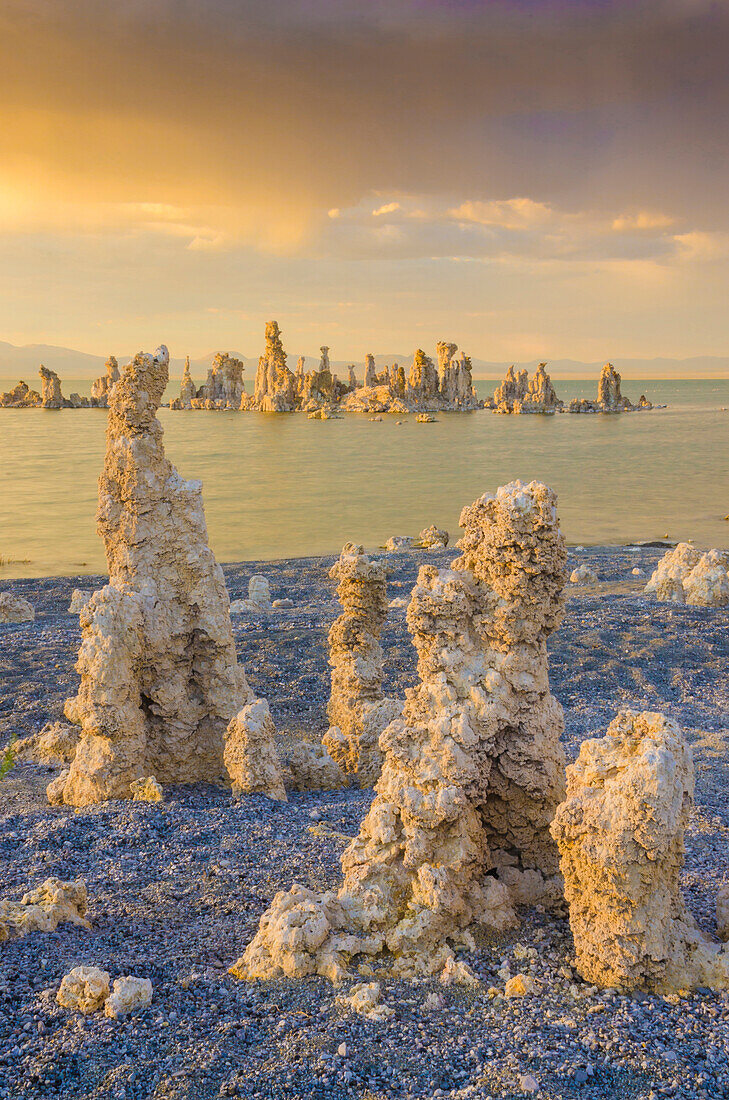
[(176, 889)]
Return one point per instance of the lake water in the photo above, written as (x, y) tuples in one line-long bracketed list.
[(285, 486)]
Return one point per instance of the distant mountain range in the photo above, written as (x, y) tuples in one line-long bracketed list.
[(23, 362)]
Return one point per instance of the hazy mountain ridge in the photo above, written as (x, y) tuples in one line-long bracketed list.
[(23, 361)]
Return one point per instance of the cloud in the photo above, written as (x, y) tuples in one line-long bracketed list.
[(388, 208)]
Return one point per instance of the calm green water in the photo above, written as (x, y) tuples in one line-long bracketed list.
[(284, 486)]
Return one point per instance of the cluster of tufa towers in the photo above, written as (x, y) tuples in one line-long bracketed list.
[(475, 812)]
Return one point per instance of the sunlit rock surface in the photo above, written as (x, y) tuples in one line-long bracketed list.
[(159, 677), (620, 834), (473, 770), (358, 710)]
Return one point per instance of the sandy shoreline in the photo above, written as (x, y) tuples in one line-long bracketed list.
[(176, 889)]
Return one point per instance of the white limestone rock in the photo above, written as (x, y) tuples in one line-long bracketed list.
[(365, 998), (259, 591), (14, 609), (129, 995), (358, 710), (309, 767), (51, 396), (159, 677), (250, 753), (146, 790), (686, 575), (583, 575), (472, 772), (53, 746), (43, 909), (397, 543), (79, 598), (84, 989), (722, 912), (101, 387), (620, 834), (434, 538)]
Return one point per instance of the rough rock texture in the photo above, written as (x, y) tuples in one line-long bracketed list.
[(583, 575), (473, 770), (84, 989), (14, 609), (51, 396), (365, 998), (358, 710), (608, 389), (517, 394), (620, 835), (129, 994), (79, 598), (259, 591), (397, 543), (686, 575), (101, 387), (146, 790), (276, 386), (43, 909), (309, 767), (224, 387), (159, 677), (512, 390), (423, 378), (722, 913), (53, 746), (250, 753), (20, 397), (434, 538), (541, 396)]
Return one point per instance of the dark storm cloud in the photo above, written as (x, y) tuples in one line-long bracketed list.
[(313, 104)]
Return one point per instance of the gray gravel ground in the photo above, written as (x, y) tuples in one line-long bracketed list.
[(176, 889)]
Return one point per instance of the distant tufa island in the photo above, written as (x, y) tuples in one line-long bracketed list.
[(428, 387)]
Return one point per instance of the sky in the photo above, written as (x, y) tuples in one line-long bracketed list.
[(531, 178)]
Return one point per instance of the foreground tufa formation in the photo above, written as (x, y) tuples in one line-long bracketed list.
[(159, 677), (621, 840), (473, 770), (358, 710), (686, 575), (14, 609), (43, 909)]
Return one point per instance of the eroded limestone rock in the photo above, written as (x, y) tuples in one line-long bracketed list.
[(129, 995), (434, 538), (146, 790), (397, 543), (101, 387), (309, 767), (472, 771), (79, 598), (84, 989), (51, 396), (14, 609), (20, 397), (43, 909), (365, 998), (583, 575), (620, 834), (722, 912), (250, 752), (53, 746), (358, 710), (686, 575), (159, 677)]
